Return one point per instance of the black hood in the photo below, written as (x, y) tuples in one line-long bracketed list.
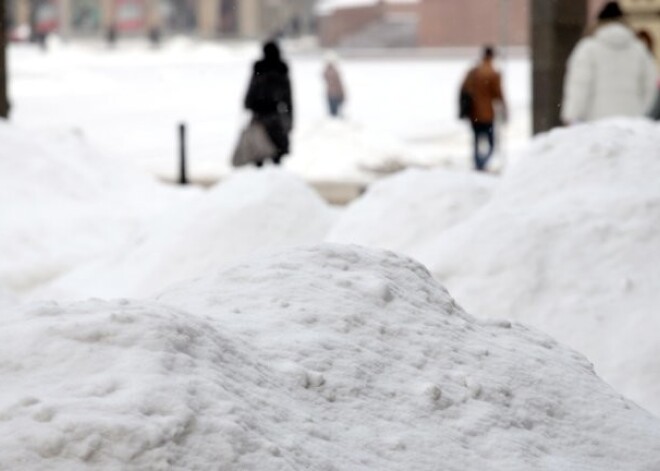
[(272, 52)]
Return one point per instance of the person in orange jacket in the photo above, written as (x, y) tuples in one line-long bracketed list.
[(481, 92)]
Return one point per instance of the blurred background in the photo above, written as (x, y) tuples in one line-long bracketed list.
[(559, 231), (125, 73)]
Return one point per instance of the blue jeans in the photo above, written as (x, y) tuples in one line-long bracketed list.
[(483, 131), (334, 104)]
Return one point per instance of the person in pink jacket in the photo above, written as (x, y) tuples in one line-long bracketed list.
[(334, 86)]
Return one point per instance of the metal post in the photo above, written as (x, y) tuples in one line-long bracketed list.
[(4, 101), (183, 178)]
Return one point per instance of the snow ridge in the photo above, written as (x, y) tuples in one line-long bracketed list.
[(327, 357)]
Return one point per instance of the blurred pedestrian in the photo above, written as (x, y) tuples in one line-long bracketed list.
[(111, 35), (610, 73), (269, 98), (647, 39), (481, 93), (334, 85), (154, 36)]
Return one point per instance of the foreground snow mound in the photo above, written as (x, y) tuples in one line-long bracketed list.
[(570, 245), (325, 358), (328, 358), (411, 208), (63, 204), (254, 210)]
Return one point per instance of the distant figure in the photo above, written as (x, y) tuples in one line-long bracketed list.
[(334, 86), (111, 35), (647, 39), (154, 36), (480, 93), (41, 37), (610, 73), (269, 98)]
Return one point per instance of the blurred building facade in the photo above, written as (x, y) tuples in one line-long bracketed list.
[(392, 23), (205, 18), (348, 23), (450, 23)]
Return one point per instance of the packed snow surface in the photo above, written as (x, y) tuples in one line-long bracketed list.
[(570, 244), (411, 208), (251, 212), (327, 357), (326, 7), (203, 84), (340, 150), (567, 242), (63, 204)]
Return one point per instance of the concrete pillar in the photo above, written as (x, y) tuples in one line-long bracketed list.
[(208, 17), (108, 11), (64, 12), (556, 27), (249, 18), (154, 14), (22, 12)]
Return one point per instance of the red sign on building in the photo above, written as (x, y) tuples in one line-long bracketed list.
[(131, 15), (46, 17)]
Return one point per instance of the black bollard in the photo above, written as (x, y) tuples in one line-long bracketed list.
[(183, 179)]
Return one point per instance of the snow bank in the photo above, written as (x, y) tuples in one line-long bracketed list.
[(325, 358), (252, 211), (327, 7), (411, 208), (63, 204), (570, 245), (336, 149)]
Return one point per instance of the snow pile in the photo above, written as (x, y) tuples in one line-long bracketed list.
[(7, 298), (336, 149), (326, 358), (411, 208), (252, 211), (63, 204), (570, 245), (326, 7)]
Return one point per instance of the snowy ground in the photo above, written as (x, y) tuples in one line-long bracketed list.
[(403, 109), (279, 351), (567, 243)]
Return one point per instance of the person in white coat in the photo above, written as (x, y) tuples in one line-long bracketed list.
[(610, 73)]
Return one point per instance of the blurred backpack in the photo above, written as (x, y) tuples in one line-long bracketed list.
[(465, 98), (465, 104)]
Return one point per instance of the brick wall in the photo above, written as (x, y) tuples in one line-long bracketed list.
[(454, 23), (450, 23), (345, 22), (411, 8)]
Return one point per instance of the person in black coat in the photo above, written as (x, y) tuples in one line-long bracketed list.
[(269, 98)]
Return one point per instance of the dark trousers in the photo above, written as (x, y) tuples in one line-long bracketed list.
[(483, 131), (277, 127), (334, 105), (655, 111)]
